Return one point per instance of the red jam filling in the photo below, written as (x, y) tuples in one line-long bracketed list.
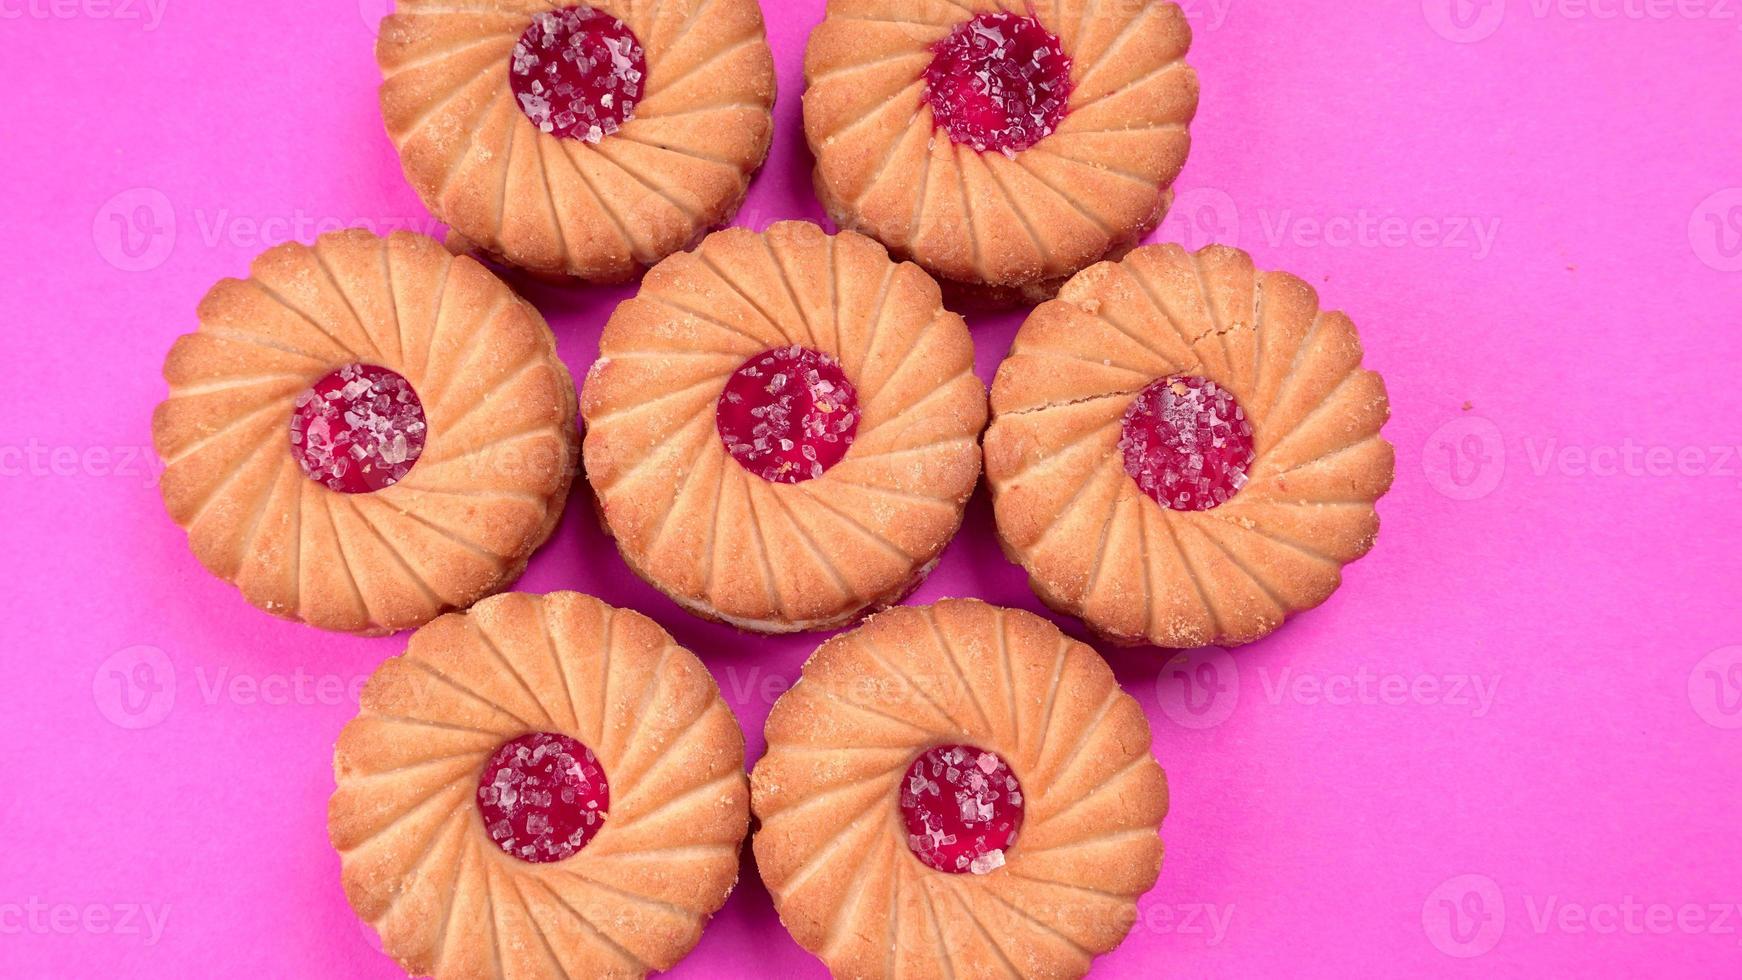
[(999, 82), (577, 73), (1187, 443), (543, 796), (358, 430), (962, 807), (789, 414)]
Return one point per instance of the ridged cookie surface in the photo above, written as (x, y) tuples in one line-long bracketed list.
[(1093, 543), (598, 210), (1021, 222), (726, 543), (420, 865), (833, 850), (486, 492)]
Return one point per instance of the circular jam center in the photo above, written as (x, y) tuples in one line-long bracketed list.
[(1187, 443), (788, 414), (962, 807), (358, 430), (577, 73), (999, 82), (543, 796)]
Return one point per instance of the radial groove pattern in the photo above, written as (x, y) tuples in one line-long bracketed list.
[(832, 847), (725, 542), (1009, 226), (487, 490), (600, 211), (1179, 578), (418, 864)]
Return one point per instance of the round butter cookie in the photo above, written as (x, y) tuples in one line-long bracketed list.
[(957, 790), (1004, 147), (782, 429), (366, 433), (544, 786), (583, 141), (1185, 451)]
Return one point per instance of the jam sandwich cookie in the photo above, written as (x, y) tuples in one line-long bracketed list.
[(583, 141), (366, 432), (1186, 451), (957, 790), (544, 786), (782, 429), (1001, 146)]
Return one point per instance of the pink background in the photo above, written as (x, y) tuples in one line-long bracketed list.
[(1563, 536)]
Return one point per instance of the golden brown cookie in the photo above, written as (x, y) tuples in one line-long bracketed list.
[(1003, 146), (586, 141), (782, 429), (366, 433), (542, 787), (1185, 451), (957, 790)]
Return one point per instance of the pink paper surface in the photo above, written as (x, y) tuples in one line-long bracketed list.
[(1510, 743)]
